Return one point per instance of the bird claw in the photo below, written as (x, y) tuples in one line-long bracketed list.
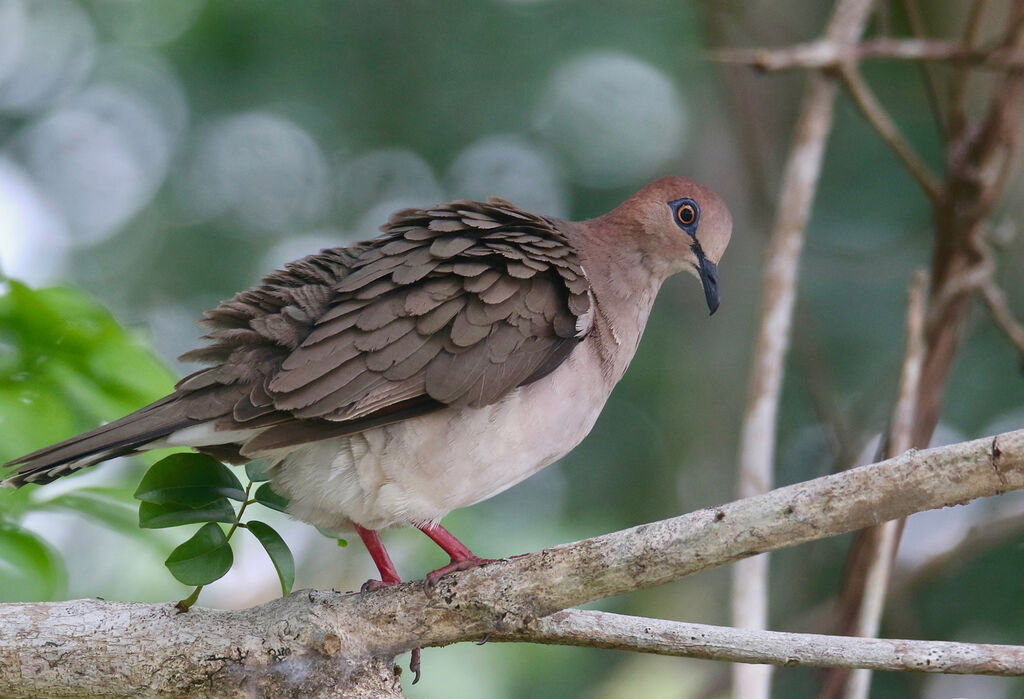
[(372, 585), (461, 564), (414, 664)]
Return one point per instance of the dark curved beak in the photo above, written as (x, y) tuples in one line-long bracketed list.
[(708, 273)]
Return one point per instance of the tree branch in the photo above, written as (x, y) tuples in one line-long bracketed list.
[(958, 85), (871, 579), (875, 113), (578, 627), (982, 538), (996, 301), (927, 68), (757, 438), (824, 54), (348, 640)]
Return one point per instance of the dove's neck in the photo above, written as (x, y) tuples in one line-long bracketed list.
[(624, 287)]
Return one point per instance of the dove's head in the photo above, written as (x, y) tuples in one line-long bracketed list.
[(679, 225)]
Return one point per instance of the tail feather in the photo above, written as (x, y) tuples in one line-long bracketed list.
[(116, 438)]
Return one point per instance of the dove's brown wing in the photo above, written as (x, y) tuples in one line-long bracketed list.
[(453, 306), (456, 305)]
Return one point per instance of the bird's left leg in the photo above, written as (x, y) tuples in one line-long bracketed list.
[(462, 557), (388, 577), (388, 573)]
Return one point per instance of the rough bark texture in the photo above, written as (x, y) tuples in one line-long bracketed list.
[(578, 627), (332, 644)]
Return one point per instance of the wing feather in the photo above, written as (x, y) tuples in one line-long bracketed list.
[(514, 313), (456, 305)]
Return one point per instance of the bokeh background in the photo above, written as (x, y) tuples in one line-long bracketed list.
[(160, 155)]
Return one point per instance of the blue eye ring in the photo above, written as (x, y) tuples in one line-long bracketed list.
[(686, 214)]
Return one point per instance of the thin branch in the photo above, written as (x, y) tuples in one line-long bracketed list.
[(982, 538), (92, 646), (883, 541), (757, 439), (577, 627), (876, 115), (1004, 317), (986, 535), (927, 68), (976, 155), (1000, 139), (910, 376), (825, 55), (967, 280), (958, 86), (981, 278)]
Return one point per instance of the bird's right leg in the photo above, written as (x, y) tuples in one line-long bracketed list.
[(388, 574)]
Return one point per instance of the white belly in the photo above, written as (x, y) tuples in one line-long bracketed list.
[(420, 469)]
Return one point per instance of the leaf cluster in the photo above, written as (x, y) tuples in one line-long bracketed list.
[(189, 488)]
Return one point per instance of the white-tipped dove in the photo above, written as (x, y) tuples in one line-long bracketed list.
[(395, 380)]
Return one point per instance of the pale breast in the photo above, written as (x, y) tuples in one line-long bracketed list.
[(420, 469)]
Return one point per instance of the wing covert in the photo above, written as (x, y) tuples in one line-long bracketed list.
[(460, 304)]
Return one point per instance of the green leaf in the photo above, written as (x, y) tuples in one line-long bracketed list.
[(203, 558), (265, 495), (30, 571), (157, 516), (258, 470), (190, 480), (280, 554)]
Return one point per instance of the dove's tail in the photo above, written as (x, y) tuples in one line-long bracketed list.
[(116, 438)]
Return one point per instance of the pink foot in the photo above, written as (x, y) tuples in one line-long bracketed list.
[(456, 565), (372, 585)]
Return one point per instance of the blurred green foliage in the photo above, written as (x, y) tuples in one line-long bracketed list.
[(64, 356), (65, 366)]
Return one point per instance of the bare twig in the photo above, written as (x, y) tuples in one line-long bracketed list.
[(978, 165), (958, 86), (927, 68), (757, 440), (1000, 139), (982, 538), (875, 113), (823, 54), (1004, 317), (577, 627), (978, 160), (969, 279), (882, 541), (910, 375), (91, 646)]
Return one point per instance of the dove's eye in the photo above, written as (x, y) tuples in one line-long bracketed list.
[(686, 214)]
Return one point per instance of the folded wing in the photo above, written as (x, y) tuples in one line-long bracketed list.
[(453, 306)]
